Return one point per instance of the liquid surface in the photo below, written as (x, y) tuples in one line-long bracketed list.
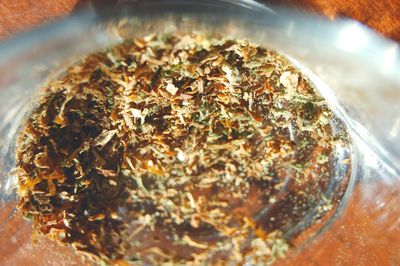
[(181, 149)]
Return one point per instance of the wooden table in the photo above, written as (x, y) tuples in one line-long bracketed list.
[(362, 235)]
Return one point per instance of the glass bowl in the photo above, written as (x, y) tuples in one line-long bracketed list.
[(352, 67)]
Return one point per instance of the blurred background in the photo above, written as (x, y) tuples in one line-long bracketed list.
[(17, 16), (361, 243)]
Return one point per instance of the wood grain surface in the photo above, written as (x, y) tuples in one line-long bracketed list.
[(17, 16), (366, 233)]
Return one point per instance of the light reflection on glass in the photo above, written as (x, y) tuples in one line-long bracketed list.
[(352, 38)]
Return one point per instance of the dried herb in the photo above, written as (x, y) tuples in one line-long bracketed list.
[(176, 149)]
